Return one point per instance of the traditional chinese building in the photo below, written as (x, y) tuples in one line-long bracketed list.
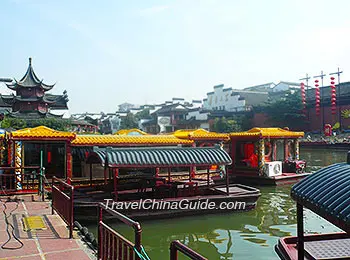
[(31, 100)]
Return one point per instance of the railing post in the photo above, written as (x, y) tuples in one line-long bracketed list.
[(99, 230), (52, 197), (173, 251), (138, 232), (300, 231), (71, 215)]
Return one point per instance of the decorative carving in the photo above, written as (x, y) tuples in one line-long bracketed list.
[(345, 113)]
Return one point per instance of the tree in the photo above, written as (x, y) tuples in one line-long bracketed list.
[(286, 111), (143, 114), (53, 123), (129, 122), (223, 125), (15, 123)]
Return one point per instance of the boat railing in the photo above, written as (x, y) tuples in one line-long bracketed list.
[(19, 179), (112, 244), (63, 202), (176, 246)]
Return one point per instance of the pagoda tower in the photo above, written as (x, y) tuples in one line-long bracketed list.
[(31, 100)]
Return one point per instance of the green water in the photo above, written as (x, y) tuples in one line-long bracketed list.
[(249, 235)]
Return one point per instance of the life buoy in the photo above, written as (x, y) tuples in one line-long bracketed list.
[(269, 146)]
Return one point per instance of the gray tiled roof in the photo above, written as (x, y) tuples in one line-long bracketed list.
[(160, 156), (327, 193)]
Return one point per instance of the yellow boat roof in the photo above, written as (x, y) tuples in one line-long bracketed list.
[(267, 132), (200, 134), (125, 140), (41, 133), (133, 131)]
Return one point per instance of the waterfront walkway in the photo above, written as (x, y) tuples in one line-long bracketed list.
[(49, 242)]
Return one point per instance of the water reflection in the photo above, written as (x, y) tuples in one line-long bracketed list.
[(318, 158), (226, 236), (248, 235)]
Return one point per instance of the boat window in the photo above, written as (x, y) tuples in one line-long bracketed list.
[(246, 154), (53, 157), (279, 150)]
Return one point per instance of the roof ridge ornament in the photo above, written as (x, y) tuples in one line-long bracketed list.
[(30, 61)]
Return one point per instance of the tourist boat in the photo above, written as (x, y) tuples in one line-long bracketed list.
[(266, 156), (326, 193), (132, 177)]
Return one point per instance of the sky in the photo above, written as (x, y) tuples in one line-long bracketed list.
[(105, 53)]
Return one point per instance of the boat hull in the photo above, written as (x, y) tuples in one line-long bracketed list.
[(240, 198), (285, 179)]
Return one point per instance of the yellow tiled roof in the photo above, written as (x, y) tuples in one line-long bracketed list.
[(129, 131), (122, 140), (196, 134), (41, 132), (268, 132)]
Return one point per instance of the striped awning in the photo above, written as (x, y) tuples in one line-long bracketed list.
[(81, 152), (327, 193), (159, 156)]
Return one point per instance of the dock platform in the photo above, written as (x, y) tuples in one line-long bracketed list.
[(45, 236)]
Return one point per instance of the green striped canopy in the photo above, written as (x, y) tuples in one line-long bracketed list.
[(144, 157)]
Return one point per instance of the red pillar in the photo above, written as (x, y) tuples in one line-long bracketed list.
[(69, 164)]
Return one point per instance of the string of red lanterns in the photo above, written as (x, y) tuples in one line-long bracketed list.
[(317, 97), (333, 96)]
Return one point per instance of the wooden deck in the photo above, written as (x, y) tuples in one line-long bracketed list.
[(317, 247)]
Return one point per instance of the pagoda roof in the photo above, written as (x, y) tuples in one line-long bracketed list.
[(32, 115), (56, 101), (29, 80)]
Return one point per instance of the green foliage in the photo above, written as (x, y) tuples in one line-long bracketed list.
[(13, 123), (142, 114), (53, 123), (128, 122), (244, 121), (223, 125), (285, 112), (336, 126)]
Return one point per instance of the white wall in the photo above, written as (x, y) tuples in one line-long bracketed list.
[(197, 115), (221, 99)]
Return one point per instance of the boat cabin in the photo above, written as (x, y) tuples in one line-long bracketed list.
[(268, 154), (82, 145), (326, 193), (133, 174)]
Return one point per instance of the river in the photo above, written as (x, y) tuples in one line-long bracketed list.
[(249, 235)]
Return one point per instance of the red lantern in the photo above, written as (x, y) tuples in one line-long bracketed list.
[(317, 97), (333, 96)]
